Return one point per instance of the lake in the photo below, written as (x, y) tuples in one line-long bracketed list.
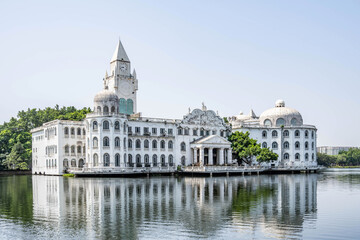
[(291, 206)]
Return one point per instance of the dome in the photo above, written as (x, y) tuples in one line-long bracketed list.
[(106, 96), (281, 115)]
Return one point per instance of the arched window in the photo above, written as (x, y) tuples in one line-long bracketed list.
[(306, 157), (81, 163), (79, 150), (306, 145), (186, 131), (312, 134), (180, 131), (138, 144), (95, 125), (312, 146), (99, 109), (297, 133), (117, 160), (312, 157), (297, 145), (146, 144), (124, 144), (286, 156), (201, 132), (280, 122), (306, 133), (274, 145), (170, 144), (154, 159), (129, 143), (294, 122), (117, 142), (117, 125), (106, 125), (154, 144), (106, 160), (95, 142), (267, 123), (297, 156), (274, 133), (122, 105), (106, 109), (264, 134), (183, 146), (73, 162), (95, 160), (286, 133), (79, 131), (130, 106), (264, 145), (65, 163), (106, 142), (84, 131), (112, 109), (163, 161), (67, 149), (73, 149), (66, 131), (183, 160), (162, 144), (286, 145), (171, 160), (125, 159), (72, 131), (138, 160), (146, 160)]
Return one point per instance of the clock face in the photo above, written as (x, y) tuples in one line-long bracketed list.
[(125, 88), (123, 67)]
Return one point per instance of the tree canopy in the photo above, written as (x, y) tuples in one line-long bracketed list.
[(247, 149), (344, 158), (17, 131)]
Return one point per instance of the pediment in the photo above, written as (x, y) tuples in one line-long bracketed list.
[(212, 139)]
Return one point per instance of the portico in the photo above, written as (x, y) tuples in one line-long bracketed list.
[(211, 150)]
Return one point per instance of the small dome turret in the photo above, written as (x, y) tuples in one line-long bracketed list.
[(106, 101)]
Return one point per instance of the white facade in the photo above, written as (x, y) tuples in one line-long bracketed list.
[(282, 130)]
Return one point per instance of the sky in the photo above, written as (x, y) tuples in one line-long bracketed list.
[(232, 55)]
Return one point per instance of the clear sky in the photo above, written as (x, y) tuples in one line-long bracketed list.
[(232, 55)]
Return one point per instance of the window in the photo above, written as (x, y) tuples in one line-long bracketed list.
[(154, 159), (65, 163), (221, 133), (267, 123), (117, 160), (207, 132), (146, 144), (117, 142), (117, 125), (67, 149), (138, 160), (171, 160), (137, 130), (106, 142), (170, 131), (106, 109), (79, 150), (286, 133), (312, 146), (79, 131), (112, 109), (297, 145), (95, 125), (280, 122), (146, 160), (106, 160), (130, 129), (163, 161), (274, 145), (73, 150), (162, 130), (201, 132), (194, 132), (122, 106), (66, 131), (286, 145), (306, 157), (106, 125), (162, 144), (72, 131), (186, 131), (170, 144), (146, 130), (95, 160), (213, 132), (306, 133), (124, 144), (264, 145), (297, 156), (99, 109), (297, 133), (274, 133), (84, 131), (129, 107), (286, 156), (264, 134), (183, 162), (73, 163), (154, 144), (180, 131), (130, 160), (183, 146), (306, 145), (138, 144), (154, 131), (95, 142), (312, 134), (312, 157), (129, 143)]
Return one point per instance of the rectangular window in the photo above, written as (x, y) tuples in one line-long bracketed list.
[(154, 130), (146, 130), (129, 129), (195, 132), (180, 132), (214, 132), (170, 131), (186, 132), (137, 130), (162, 130)]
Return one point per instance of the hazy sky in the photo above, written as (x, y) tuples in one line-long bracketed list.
[(233, 55)]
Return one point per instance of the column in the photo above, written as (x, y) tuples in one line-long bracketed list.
[(201, 160), (211, 162), (229, 156), (221, 156), (195, 155)]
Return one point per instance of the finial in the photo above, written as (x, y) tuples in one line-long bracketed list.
[(203, 106), (189, 110)]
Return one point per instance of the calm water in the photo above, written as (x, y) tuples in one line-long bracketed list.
[(313, 206)]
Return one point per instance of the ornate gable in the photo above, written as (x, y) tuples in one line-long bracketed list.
[(207, 117)]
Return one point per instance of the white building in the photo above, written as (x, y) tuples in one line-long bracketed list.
[(282, 130)]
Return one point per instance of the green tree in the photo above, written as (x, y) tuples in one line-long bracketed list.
[(266, 155), (16, 160)]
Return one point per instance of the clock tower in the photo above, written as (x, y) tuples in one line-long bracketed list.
[(121, 81)]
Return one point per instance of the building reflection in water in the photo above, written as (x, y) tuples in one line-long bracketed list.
[(276, 206)]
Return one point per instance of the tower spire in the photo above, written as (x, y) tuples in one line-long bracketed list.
[(120, 54)]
